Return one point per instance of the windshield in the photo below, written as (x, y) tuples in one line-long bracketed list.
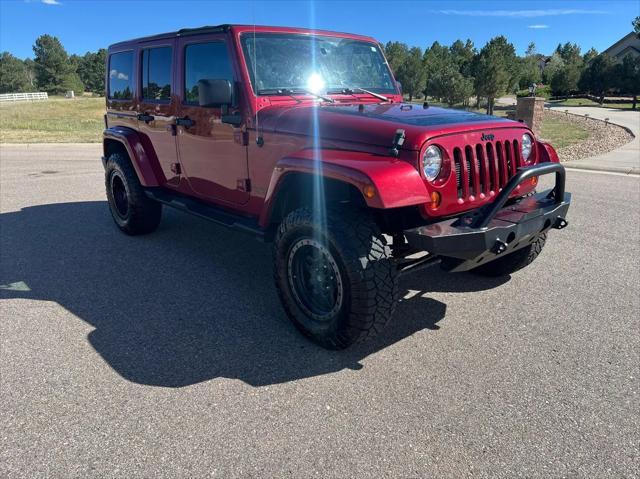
[(291, 62)]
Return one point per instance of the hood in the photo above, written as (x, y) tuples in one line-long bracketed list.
[(376, 124)]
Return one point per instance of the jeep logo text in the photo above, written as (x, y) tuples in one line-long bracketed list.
[(487, 137)]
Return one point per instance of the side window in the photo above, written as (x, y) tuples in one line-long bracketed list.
[(156, 73), (204, 61), (121, 76)]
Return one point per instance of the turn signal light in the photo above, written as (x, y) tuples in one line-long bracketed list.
[(534, 181), (436, 199), (369, 191)]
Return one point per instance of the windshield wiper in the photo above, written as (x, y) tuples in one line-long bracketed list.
[(293, 91), (351, 90)]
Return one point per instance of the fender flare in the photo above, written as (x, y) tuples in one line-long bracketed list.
[(140, 151), (397, 183), (547, 153)]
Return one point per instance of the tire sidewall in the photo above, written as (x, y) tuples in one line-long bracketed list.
[(114, 170)]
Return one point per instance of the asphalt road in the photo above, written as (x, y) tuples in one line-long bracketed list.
[(170, 356)]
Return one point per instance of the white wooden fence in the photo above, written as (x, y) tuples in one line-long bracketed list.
[(24, 96)]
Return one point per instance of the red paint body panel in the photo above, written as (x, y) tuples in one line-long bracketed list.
[(142, 155), (397, 183), (353, 135)]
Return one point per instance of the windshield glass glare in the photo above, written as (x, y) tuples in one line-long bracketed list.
[(315, 63)]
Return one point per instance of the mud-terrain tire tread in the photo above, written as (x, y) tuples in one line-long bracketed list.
[(144, 213), (514, 261), (362, 251)]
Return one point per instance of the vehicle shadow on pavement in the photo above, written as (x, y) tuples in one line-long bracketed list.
[(188, 303)]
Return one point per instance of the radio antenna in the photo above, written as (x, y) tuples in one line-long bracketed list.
[(259, 139)]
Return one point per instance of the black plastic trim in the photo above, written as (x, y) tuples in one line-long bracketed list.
[(505, 229)]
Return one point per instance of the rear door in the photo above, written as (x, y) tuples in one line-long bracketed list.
[(157, 104), (212, 154)]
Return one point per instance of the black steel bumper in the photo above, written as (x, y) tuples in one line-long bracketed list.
[(494, 230)]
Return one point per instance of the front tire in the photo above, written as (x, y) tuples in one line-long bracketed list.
[(338, 285), (131, 209), (514, 261)]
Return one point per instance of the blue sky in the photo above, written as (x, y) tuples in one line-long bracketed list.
[(84, 25)]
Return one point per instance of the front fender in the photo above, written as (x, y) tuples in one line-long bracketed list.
[(396, 182), (547, 153), (141, 153)]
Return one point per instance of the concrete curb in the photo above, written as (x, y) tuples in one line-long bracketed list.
[(571, 165)]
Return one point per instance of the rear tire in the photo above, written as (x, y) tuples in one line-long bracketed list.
[(514, 261), (131, 209), (338, 285)]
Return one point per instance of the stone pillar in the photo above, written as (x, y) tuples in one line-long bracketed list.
[(531, 110)]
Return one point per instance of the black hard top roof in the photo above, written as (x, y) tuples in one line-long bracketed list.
[(179, 33)]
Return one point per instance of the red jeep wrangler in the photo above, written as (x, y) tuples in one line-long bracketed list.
[(302, 138)]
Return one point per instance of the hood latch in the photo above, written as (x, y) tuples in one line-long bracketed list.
[(398, 141)]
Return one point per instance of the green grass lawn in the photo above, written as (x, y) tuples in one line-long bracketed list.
[(60, 120), (587, 102), (57, 120), (560, 132)]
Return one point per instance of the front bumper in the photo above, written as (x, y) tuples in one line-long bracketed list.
[(494, 230)]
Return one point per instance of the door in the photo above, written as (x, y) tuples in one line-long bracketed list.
[(157, 104), (212, 154)]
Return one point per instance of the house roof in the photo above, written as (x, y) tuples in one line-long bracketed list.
[(622, 40)]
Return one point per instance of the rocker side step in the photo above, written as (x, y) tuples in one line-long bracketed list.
[(206, 211)]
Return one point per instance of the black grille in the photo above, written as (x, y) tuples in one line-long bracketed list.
[(484, 167)]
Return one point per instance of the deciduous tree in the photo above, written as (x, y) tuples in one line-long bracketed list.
[(14, 75)]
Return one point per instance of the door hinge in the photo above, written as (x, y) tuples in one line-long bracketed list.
[(241, 137), (175, 168), (244, 184)]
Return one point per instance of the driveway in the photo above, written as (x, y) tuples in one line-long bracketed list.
[(625, 159), (169, 355)]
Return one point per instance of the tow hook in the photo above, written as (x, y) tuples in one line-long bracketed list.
[(560, 223), (499, 247)]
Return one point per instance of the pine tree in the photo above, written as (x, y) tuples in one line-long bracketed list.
[(412, 73), (396, 54), (91, 69), (55, 73), (496, 70)]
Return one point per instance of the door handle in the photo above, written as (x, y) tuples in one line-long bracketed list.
[(146, 118), (185, 121)]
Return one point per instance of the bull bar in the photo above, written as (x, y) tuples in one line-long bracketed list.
[(494, 230)]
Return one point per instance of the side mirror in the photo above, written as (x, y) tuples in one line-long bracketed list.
[(214, 92)]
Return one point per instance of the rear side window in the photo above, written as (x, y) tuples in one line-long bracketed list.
[(121, 76), (204, 61), (156, 73)]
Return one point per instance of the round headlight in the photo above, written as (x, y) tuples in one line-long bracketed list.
[(432, 162), (526, 147)]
